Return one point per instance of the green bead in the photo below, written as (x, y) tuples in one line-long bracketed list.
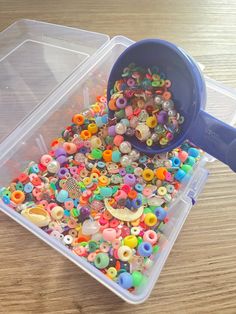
[(6, 192), (115, 188), (140, 240), (147, 210), (120, 114), (186, 168), (155, 249), (96, 153), (92, 246), (75, 212), (101, 260), (19, 186), (129, 169), (53, 186), (156, 83), (109, 140), (137, 278), (83, 244)]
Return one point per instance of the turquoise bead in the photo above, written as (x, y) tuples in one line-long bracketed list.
[(116, 155), (62, 196), (106, 191)]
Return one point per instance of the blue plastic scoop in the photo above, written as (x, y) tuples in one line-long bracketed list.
[(189, 95)]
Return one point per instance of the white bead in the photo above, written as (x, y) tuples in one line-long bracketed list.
[(53, 166), (134, 155), (120, 128), (125, 161), (142, 132), (125, 147)]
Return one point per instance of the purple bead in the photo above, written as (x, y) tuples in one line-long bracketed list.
[(122, 172), (84, 212), (112, 130), (121, 102), (62, 172), (62, 159), (60, 152), (162, 117), (131, 82), (129, 179)]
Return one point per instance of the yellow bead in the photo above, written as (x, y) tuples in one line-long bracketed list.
[(151, 122), (162, 191), (150, 219), (112, 272), (131, 241), (92, 127), (148, 174)]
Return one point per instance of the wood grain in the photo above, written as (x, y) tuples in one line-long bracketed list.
[(199, 276)]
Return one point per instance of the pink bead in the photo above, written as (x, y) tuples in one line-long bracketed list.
[(45, 160), (81, 251), (147, 191), (115, 254), (44, 203), (109, 234), (116, 244), (69, 205), (104, 226), (150, 236), (118, 139), (51, 206), (128, 111), (168, 176), (120, 195), (183, 155), (91, 257), (126, 188)]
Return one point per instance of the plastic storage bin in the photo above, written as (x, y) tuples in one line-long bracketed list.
[(35, 58)]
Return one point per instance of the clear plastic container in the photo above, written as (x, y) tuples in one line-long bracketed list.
[(41, 122)]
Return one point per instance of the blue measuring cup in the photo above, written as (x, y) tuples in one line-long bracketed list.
[(189, 95)]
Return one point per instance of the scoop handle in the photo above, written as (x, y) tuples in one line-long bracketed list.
[(215, 137)]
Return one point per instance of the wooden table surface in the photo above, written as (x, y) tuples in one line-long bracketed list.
[(199, 275)]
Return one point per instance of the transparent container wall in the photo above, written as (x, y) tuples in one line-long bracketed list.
[(34, 140), (35, 57)]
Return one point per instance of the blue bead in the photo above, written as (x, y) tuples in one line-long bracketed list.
[(143, 159), (104, 119), (138, 187), (34, 169), (6, 199), (179, 175), (125, 280), (160, 212), (175, 162), (98, 121), (128, 203), (28, 188), (116, 155), (101, 164), (194, 152), (136, 203), (67, 212), (145, 249)]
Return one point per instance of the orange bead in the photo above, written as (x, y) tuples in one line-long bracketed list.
[(78, 119), (132, 194), (85, 134), (70, 148), (18, 197), (112, 104), (107, 155), (161, 173)]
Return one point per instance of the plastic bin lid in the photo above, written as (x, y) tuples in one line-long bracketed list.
[(35, 57)]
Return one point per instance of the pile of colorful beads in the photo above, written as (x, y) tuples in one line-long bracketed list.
[(102, 199), (143, 107)]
